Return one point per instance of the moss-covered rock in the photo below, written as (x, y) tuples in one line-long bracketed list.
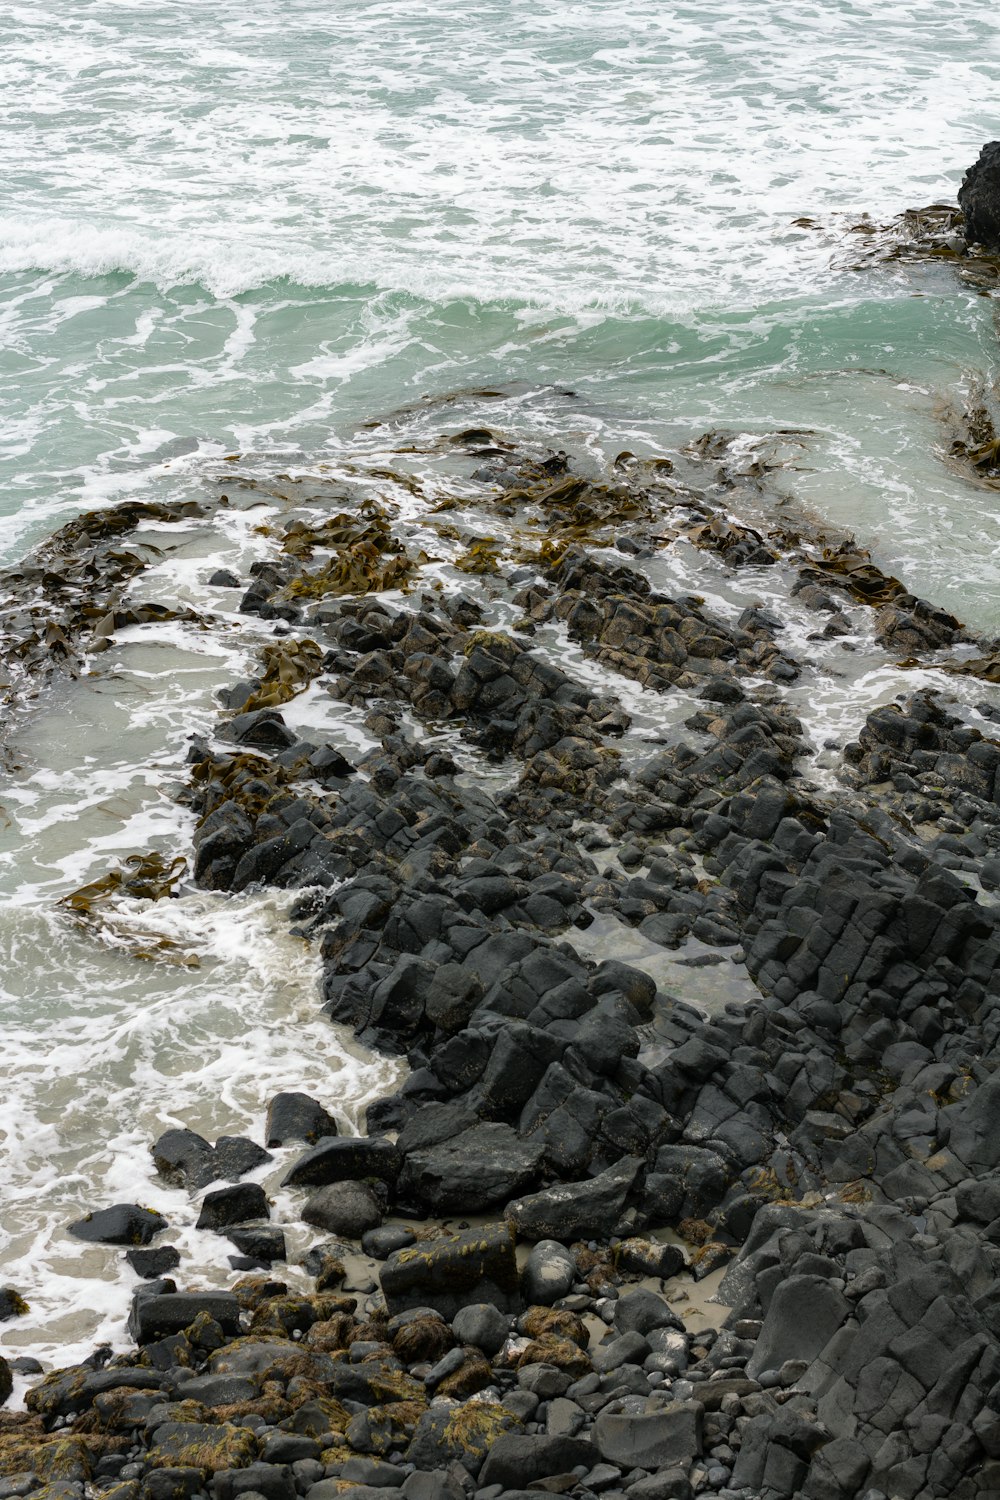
[(296, 1314), (564, 1354), (12, 1304), (471, 1376), (272, 1359), (331, 1333), (197, 1445), (52, 1458), (318, 1415), (464, 1433), (447, 1274), (382, 1428), (424, 1338), (62, 1393), (375, 1384), (547, 1322)]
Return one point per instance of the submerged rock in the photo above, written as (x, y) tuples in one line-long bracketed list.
[(979, 198)]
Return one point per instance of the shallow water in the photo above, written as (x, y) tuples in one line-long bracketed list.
[(253, 229)]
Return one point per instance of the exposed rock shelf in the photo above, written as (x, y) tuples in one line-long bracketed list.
[(833, 1145)]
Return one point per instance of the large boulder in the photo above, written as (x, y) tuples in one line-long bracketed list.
[(297, 1117), (199, 1445), (464, 1433), (474, 1171), (345, 1159), (155, 1317), (654, 1439), (233, 1205), (347, 1208), (124, 1224), (187, 1160), (979, 198), (515, 1462), (804, 1314), (449, 1274), (577, 1210), (549, 1274)]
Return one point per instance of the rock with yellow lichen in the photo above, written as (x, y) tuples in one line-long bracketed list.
[(452, 1272), (197, 1445), (382, 1428), (463, 1433)]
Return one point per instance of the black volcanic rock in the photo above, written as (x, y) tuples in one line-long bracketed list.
[(124, 1224), (979, 198), (297, 1117)]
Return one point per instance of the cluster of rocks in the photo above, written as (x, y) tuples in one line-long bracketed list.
[(834, 1145)]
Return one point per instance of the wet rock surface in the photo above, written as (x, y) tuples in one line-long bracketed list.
[(979, 197), (829, 1149)]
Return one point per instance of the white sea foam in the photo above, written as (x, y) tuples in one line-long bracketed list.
[(574, 154)]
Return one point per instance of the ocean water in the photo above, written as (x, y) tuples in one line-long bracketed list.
[(255, 229)]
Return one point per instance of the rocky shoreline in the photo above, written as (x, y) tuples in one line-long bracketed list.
[(827, 1150)]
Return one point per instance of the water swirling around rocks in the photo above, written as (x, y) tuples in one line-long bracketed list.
[(458, 811)]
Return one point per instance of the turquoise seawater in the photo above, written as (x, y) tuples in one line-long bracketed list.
[(257, 226)]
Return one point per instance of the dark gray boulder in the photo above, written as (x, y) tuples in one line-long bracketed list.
[(184, 1158), (979, 198), (380, 1243), (483, 1326), (233, 1205), (476, 1170), (347, 1208), (235, 1156), (260, 1242), (187, 1160), (449, 1274), (577, 1210), (651, 1439), (297, 1117), (343, 1159), (171, 1312), (515, 1461), (155, 1262), (549, 1273), (804, 1314), (273, 1481), (643, 1311), (124, 1224)]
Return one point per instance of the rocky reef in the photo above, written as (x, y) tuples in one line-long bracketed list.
[(509, 1299)]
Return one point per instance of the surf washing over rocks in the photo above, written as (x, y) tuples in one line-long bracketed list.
[(501, 840)]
